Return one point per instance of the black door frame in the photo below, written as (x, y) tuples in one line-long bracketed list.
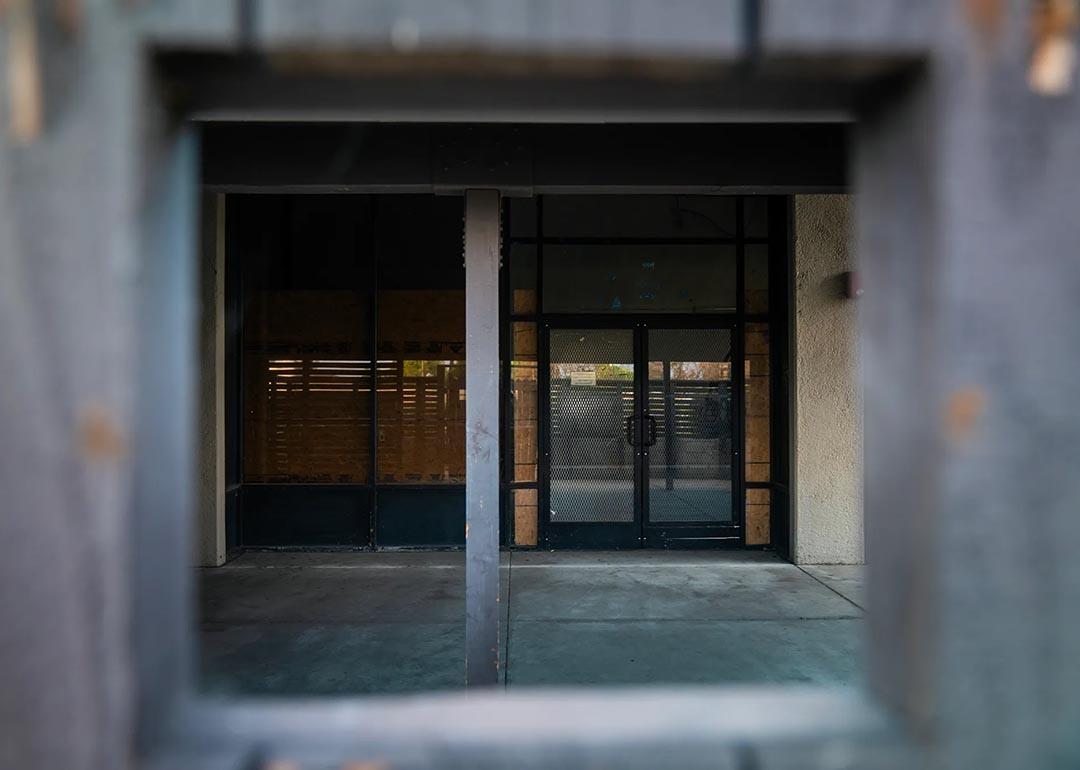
[(639, 533), (697, 534), (584, 534)]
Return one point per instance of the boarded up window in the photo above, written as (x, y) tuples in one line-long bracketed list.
[(758, 451), (523, 384)]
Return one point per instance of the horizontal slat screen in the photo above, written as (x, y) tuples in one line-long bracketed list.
[(307, 388), (421, 429)]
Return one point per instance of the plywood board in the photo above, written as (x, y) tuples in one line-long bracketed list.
[(758, 511), (526, 509)]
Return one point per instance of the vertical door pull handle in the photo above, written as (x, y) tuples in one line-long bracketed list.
[(652, 430)]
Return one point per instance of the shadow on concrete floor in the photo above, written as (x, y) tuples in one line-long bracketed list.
[(360, 623)]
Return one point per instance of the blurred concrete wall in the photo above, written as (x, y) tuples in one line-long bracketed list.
[(828, 500)]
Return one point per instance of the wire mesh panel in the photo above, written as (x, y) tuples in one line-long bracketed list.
[(689, 426), (591, 405)]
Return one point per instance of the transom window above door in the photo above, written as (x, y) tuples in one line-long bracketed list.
[(635, 253)]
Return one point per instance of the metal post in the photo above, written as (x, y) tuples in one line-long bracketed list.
[(481, 438)]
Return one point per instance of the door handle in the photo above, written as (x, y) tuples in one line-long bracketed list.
[(630, 430), (652, 430)]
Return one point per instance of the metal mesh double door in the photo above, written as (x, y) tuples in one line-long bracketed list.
[(638, 433)]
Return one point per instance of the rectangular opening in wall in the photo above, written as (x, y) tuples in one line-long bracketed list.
[(682, 458)]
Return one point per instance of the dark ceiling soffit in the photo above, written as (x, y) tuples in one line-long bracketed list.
[(524, 159), (283, 87)]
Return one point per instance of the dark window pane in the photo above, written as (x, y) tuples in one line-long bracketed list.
[(523, 217), (639, 216), (641, 279), (523, 279), (306, 360), (757, 279), (756, 216), (421, 341)]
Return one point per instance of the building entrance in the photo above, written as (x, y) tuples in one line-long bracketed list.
[(646, 338), (642, 385), (638, 445)]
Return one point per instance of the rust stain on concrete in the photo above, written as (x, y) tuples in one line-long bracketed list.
[(962, 412), (985, 17), (99, 435)]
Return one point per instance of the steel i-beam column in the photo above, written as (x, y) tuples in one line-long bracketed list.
[(481, 438)]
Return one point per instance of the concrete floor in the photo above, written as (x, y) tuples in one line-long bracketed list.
[(348, 623)]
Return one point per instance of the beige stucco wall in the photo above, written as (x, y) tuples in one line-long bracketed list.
[(828, 505), (209, 537)]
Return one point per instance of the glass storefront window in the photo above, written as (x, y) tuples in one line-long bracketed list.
[(310, 267), (421, 341), (306, 352)]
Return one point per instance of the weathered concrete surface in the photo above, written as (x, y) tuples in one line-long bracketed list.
[(688, 27), (317, 623), (848, 580), (709, 586), (328, 623), (826, 652), (69, 213), (828, 510)]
